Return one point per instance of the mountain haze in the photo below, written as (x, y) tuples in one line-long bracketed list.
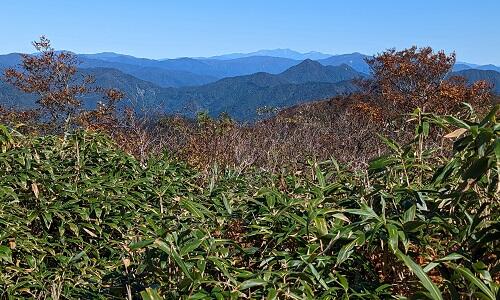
[(156, 75), (284, 53), (354, 60), (206, 67)]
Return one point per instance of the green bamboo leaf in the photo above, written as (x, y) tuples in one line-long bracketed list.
[(477, 282), (189, 247), (450, 257), (141, 244), (172, 253), (197, 209), (222, 267), (491, 116), (381, 163), (78, 256), (320, 177), (456, 122), (226, 204), (393, 236), (346, 250), (435, 293), (318, 276), (250, 283), (5, 254), (341, 216), (150, 294), (272, 294), (426, 128), (74, 228), (364, 211), (270, 200), (391, 143), (497, 150), (477, 169), (409, 214), (343, 281), (321, 226)]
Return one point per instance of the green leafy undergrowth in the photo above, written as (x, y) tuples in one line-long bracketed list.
[(81, 219)]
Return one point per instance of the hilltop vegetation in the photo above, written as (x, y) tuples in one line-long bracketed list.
[(388, 193), (82, 219)]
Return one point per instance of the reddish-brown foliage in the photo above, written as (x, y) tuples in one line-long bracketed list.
[(52, 77), (415, 77), (25, 120)]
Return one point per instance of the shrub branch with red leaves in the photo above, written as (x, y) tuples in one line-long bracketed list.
[(419, 78), (52, 76)]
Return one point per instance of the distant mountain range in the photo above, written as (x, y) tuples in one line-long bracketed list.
[(473, 75), (214, 68), (150, 72), (459, 66), (235, 83), (284, 53), (239, 96)]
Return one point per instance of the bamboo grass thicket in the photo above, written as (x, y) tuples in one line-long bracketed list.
[(80, 218)]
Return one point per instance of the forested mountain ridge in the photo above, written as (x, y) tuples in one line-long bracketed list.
[(238, 86), (239, 96)]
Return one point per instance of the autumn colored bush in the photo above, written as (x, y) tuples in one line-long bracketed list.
[(52, 77)]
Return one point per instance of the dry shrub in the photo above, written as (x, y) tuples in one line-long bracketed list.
[(314, 131), (24, 120)]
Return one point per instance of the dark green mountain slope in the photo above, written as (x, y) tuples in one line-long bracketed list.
[(239, 96), (313, 71), (242, 100), (489, 75)]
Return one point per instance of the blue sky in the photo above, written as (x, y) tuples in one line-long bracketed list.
[(161, 29)]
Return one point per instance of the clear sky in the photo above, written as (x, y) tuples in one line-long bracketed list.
[(168, 28)]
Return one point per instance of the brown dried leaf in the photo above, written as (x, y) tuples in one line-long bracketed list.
[(34, 188), (455, 133)]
